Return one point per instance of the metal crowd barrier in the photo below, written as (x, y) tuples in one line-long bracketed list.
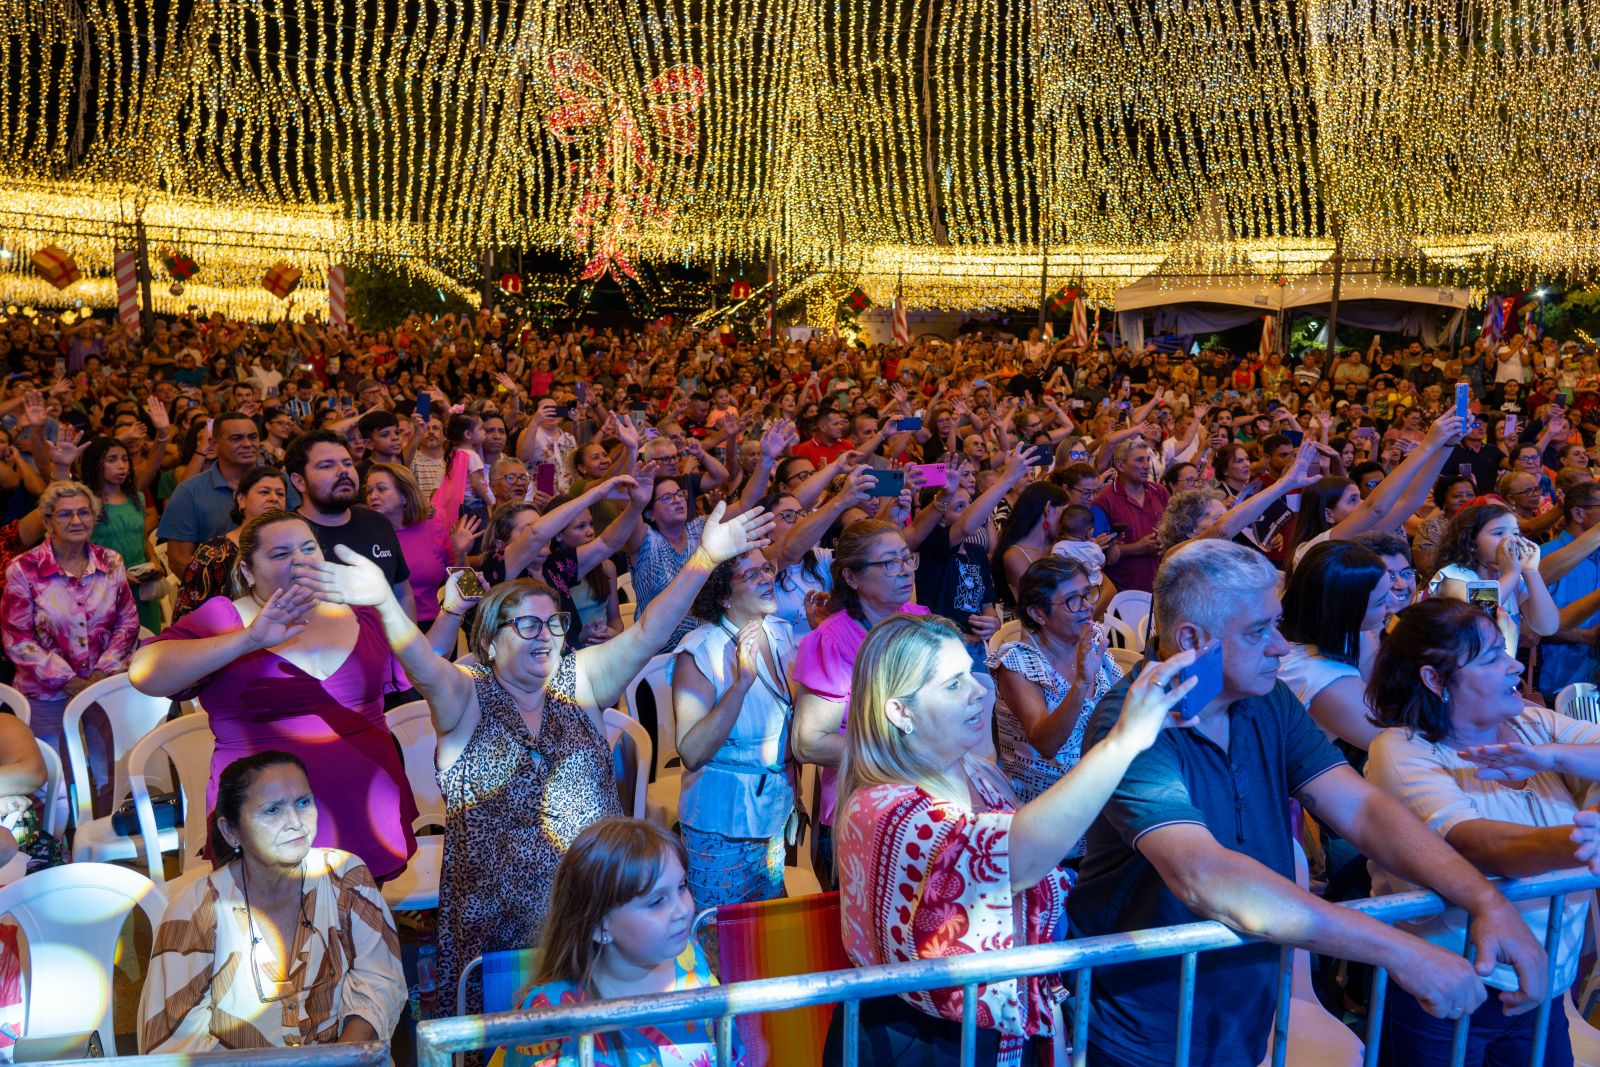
[(362, 1054), (437, 1039)]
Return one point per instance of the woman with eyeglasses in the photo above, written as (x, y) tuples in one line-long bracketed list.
[(805, 577), (522, 756), (1048, 682), (282, 943), (732, 706)]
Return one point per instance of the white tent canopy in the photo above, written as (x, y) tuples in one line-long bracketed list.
[(1192, 305)]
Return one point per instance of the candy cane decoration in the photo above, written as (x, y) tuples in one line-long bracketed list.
[(126, 268), (336, 312)]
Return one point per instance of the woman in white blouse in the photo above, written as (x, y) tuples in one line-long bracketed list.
[(732, 706), (1508, 785)]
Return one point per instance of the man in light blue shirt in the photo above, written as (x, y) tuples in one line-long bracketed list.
[(1570, 566), (202, 506)]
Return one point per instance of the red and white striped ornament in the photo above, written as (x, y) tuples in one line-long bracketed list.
[(337, 319), (125, 266), (902, 329)]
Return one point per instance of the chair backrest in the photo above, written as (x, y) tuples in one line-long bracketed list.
[(773, 939), (412, 726), (187, 742), (506, 975), (626, 612), (55, 810), (625, 588), (72, 917), (1126, 658), (1580, 700), (1010, 630), (655, 676), (131, 714), (633, 774), (1122, 635), (19, 704), (1131, 606)]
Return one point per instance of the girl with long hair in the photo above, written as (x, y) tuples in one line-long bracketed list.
[(1484, 544), (1028, 535), (106, 466)]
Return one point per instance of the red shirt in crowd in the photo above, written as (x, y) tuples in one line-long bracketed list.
[(1137, 523), (821, 454)]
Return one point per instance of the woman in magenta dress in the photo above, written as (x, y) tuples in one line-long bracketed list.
[(277, 669)]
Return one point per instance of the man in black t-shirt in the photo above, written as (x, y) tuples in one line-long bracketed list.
[(321, 469)]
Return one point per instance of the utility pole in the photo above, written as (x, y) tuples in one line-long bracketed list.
[(1044, 285), (1333, 304), (147, 308)]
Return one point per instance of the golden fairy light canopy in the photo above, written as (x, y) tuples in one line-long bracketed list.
[(952, 143)]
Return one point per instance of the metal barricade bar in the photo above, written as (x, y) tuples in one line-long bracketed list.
[(362, 1054), (438, 1038)]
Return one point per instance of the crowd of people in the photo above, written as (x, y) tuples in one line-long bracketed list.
[(1369, 579)]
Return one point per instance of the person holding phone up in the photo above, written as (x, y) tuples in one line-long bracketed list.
[(1199, 828)]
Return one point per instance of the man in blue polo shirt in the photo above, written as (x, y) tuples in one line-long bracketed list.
[(202, 506), (1570, 566), (1199, 828)]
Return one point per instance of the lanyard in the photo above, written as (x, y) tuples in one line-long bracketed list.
[(780, 695)]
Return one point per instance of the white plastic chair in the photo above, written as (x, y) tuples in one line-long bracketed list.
[(417, 887), (467, 660), (1132, 607), (72, 918), (1316, 1038), (132, 715), (1122, 635), (619, 726), (625, 588), (1010, 630), (1126, 658), (626, 612), (19, 704), (54, 815), (663, 792), (1581, 701), (188, 743)]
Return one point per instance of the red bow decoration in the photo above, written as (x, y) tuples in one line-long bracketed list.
[(857, 301), (741, 291), (612, 202), (511, 283), (180, 266)]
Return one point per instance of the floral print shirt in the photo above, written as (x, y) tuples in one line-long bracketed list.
[(922, 878), (57, 627)]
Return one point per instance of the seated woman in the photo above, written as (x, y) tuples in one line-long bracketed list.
[(620, 913), (1483, 544), (22, 774), (1048, 683), (732, 705), (68, 617), (283, 943), (279, 669), (1510, 786), (936, 857), (262, 489)]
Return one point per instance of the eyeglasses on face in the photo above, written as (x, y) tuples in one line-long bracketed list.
[(895, 565), (1079, 601), (672, 497), (792, 514), (1406, 574), (760, 573), (530, 627)]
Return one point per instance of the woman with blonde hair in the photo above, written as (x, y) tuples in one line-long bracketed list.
[(935, 856), (619, 924)]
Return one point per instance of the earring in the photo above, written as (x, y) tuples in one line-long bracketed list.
[(1444, 697), (605, 938), (906, 727)]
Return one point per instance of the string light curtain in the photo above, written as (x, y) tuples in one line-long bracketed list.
[(925, 136)]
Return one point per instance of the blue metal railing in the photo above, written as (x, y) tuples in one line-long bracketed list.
[(437, 1039)]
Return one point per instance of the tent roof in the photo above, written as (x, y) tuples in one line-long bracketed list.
[(1303, 291)]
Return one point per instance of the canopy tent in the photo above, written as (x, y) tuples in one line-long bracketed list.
[(1194, 305)]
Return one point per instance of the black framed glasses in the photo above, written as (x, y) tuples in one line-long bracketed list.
[(792, 514), (1079, 601), (675, 495), (895, 566), (531, 626)]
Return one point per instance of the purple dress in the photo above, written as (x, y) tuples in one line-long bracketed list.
[(262, 701)]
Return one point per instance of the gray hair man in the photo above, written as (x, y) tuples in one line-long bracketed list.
[(1199, 829)]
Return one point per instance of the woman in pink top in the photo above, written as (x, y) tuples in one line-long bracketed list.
[(874, 577), (937, 858), (428, 547), (276, 668)]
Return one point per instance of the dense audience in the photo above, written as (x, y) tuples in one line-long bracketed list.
[(925, 570)]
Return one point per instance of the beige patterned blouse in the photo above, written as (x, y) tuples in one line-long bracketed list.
[(199, 994)]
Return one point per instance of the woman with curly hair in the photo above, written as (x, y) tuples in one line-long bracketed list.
[(732, 706)]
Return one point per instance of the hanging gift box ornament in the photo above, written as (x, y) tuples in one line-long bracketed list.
[(741, 291), (178, 265), (56, 266), (511, 283), (280, 279), (857, 301)]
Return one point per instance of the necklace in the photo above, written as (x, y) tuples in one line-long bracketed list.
[(285, 988), (780, 695)]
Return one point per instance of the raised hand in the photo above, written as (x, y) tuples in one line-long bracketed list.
[(747, 655), (779, 436), (283, 616), (466, 532), (858, 487), (453, 599), (356, 580), (1446, 429), (1152, 699), (33, 408), (738, 535), (622, 487), (817, 605), (68, 444), (157, 412)]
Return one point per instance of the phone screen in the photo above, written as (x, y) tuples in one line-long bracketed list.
[(1463, 399), (424, 405), (1296, 437), (1485, 595), (545, 478), (909, 423)]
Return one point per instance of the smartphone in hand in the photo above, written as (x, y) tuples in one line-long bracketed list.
[(1207, 670)]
